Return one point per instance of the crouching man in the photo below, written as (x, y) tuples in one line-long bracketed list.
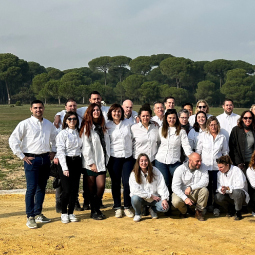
[(232, 188), (189, 186)]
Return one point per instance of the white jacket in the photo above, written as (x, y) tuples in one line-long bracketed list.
[(234, 179), (210, 149), (193, 138), (184, 177), (145, 189), (169, 151), (92, 150)]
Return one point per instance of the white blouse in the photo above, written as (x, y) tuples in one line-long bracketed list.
[(145, 141), (120, 139), (145, 189), (193, 138), (68, 144), (210, 149), (250, 173), (169, 151)]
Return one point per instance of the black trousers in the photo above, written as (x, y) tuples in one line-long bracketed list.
[(70, 185)]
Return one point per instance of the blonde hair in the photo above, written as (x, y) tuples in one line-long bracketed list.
[(201, 101)]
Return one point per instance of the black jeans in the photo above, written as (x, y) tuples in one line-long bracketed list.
[(70, 185)]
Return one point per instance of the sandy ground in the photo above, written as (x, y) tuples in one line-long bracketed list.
[(123, 236)]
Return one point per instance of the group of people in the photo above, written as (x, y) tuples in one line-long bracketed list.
[(195, 163)]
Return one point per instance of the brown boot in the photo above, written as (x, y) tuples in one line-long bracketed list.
[(199, 215)]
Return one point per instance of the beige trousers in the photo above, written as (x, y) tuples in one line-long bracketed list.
[(199, 196)]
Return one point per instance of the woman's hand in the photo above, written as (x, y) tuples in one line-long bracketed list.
[(66, 173), (93, 168), (156, 198), (165, 204)]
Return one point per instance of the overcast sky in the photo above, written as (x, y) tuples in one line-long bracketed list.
[(69, 33)]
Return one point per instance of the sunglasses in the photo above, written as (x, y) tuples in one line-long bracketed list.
[(70, 119), (200, 107), (247, 118)]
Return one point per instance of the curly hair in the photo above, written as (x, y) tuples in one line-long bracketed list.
[(87, 121), (252, 162), (240, 120), (209, 121), (202, 101), (226, 160)]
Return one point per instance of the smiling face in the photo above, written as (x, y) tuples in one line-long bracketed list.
[(184, 119), (223, 168), (247, 119), (143, 162), (116, 115), (213, 127), (96, 112), (171, 120), (201, 120), (96, 99), (71, 106), (71, 121), (228, 107), (145, 118), (37, 110), (127, 107), (202, 107), (159, 110), (170, 103)]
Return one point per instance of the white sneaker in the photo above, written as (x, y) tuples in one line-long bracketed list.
[(118, 213), (253, 214), (216, 212), (128, 213), (153, 214), (64, 218), (137, 218), (72, 218)]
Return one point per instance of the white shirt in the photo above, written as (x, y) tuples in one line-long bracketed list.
[(69, 144), (250, 173), (80, 111), (169, 151), (184, 177), (234, 179), (92, 150), (227, 122), (33, 136), (145, 189), (120, 139), (158, 120), (144, 141), (62, 116), (210, 149), (193, 138), (132, 118), (192, 119)]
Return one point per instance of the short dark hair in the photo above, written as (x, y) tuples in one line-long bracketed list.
[(68, 114), (115, 107), (37, 102), (190, 104), (166, 98), (94, 93), (69, 100), (226, 160), (145, 108), (227, 99)]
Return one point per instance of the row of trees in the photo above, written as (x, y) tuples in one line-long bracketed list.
[(143, 79)]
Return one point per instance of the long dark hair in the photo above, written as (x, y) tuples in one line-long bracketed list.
[(165, 123), (87, 121), (196, 126), (240, 121), (68, 114), (137, 169)]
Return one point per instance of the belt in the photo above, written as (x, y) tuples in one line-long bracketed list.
[(73, 157), (36, 155)]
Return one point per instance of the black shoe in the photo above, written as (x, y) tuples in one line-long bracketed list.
[(86, 207), (145, 211), (96, 216), (190, 211), (77, 206), (101, 214), (183, 216), (238, 215), (168, 213), (58, 207), (245, 209)]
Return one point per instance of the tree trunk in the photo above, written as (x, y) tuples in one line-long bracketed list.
[(83, 100), (8, 92), (105, 78), (59, 101), (177, 83), (45, 102)]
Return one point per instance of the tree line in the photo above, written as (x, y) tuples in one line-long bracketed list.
[(142, 79)]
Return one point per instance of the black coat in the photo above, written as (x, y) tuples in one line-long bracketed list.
[(237, 145)]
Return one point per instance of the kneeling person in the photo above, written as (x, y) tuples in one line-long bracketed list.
[(147, 187), (232, 188), (189, 186)]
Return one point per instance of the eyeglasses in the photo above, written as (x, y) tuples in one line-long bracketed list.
[(200, 107), (184, 118), (247, 118), (70, 119), (213, 125)]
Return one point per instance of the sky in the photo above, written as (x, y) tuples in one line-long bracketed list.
[(69, 33)]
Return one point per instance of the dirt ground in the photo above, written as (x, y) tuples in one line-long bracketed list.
[(120, 236)]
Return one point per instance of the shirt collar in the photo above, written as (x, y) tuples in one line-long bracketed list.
[(35, 120)]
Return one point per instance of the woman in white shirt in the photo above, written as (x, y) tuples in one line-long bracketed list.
[(69, 155), (145, 135), (172, 138), (202, 105), (121, 161), (211, 145), (96, 153), (198, 128), (147, 187), (250, 173)]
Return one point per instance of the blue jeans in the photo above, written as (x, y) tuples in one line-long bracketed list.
[(138, 202), (120, 168), (37, 176)]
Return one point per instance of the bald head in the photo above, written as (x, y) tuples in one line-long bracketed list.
[(194, 161), (127, 107)]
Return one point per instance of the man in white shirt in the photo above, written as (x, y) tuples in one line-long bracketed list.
[(189, 186), (228, 119), (132, 116), (169, 103), (33, 141), (159, 113)]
